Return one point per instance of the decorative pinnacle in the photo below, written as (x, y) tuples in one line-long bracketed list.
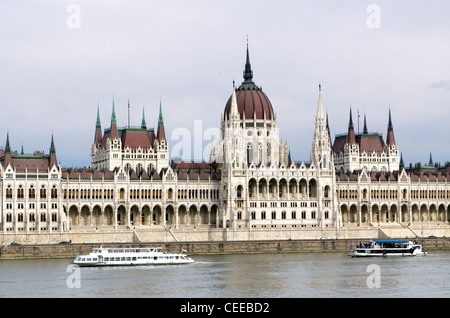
[(248, 73), (160, 118)]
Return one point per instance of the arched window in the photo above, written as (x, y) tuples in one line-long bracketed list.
[(149, 169), (326, 192), (249, 153), (43, 192), (9, 192), (139, 169), (31, 192), (239, 191), (20, 192)]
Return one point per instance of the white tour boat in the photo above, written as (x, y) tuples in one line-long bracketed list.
[(387, 248), (105, 256)]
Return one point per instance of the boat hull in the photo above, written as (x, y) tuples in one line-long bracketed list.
[(365, 254), (112, 264)]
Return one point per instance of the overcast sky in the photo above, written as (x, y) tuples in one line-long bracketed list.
[(60, 59)]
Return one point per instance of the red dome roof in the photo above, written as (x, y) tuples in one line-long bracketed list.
[(251, 100)]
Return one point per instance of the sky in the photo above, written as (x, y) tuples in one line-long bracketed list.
[(60, 60)]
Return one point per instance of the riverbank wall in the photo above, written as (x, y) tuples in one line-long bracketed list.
[(207, 248)]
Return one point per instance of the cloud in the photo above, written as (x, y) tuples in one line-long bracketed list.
[(441, 84)]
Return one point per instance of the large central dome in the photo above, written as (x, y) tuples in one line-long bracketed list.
[(251, 101)]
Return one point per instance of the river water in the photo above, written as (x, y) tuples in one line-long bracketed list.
[(236, 276)]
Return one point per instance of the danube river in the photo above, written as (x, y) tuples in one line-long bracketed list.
[(236, 276)]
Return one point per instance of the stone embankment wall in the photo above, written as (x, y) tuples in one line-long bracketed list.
[(206, 248)]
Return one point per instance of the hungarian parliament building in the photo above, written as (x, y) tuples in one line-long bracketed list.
[(250, 181)]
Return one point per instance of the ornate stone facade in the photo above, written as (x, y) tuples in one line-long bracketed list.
[(250, 182)]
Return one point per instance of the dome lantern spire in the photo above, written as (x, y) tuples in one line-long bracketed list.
[(248, 73)]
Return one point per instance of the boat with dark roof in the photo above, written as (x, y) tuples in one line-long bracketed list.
[(387, 248)]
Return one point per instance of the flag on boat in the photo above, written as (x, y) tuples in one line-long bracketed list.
[(183, 250)]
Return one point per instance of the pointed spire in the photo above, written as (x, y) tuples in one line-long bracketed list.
[(248, 73), (53, 161), (160, 118), (365, 131), (402, 165), (320, 114), (7, 159), (143, 123), (98, 129), (22, 150), (390, 139), (351, 139), (98, 123), (350, 122), (430, 162), (114, 133), (7, 147), (390, 127), (113, 115), (52, 146), (161, 133)]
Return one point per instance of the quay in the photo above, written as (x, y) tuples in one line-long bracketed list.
[(70, 250)]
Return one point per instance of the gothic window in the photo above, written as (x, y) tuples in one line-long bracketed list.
[(43, 192), (20, 192), (239, 191), (249, 153), (139, 169), (9, 193), (149, 169), (260, 152), (326, 192)]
